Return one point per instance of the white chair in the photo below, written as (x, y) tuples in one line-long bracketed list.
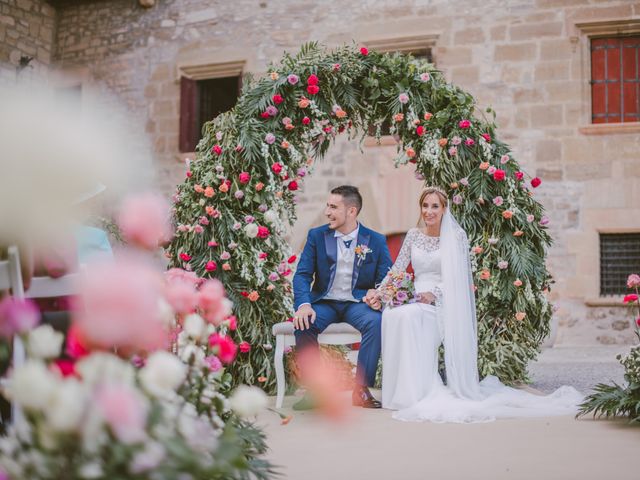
[(47, 287), (335, 334), (11, 278)]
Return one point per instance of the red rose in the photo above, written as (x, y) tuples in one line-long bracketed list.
[(341, 129), (265, 115), (292, 259), (227, 183), (244, 177), (313, 89), (464, 124), (535, 182), (632, 297), (189, 174), (306, 121), (519, 175), (276, 168), (293, 186), (217, 149), (263, 232), (245, 347), (211, 266), (244, 294), (486, 136), (263, 255), (364, 51), (67, 368), (185, 257), (420, 130), (498, 175), (277, 99), (312, 80), (226, 349)]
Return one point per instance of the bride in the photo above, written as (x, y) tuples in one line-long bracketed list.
[(445, 314)]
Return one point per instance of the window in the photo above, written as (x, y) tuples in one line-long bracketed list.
[(615, 79), (202, 101), (619, 257)]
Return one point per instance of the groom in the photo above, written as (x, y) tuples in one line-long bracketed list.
[(341, 262)]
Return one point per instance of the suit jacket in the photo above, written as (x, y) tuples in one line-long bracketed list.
[(317, 266)]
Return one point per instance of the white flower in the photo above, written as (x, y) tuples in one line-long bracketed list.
[(166, 315), (91, 470), (194, 326), (163, 373), (32, 385), (105, 368), (503, 264), (492, 241), (148, 459), (251, 230), (270, 217), (67, 406), (248, 401), (44, 342), (192, 351)]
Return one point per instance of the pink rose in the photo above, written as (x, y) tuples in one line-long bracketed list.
[(245, 347), (271, 111), (544, 220), (530, 218), (403, 98), (223, 345), (225, 256), (203, 220), (263, 232), (464, 124), (499, 175), (498, 201), (456, 140), (535, 182), (145, 220), (453, 151), (276, 168), (233, 322), (469, 142), (504, 159), (181, 294), (633, 281), (491, 170), (198, 229), (632, 297), (270, 138), (519, 175), (419, 130), (211, 266), (273, 276), (244, 177), (124, 410), (214, 305), (457, 199), (293, 79), (213, 363), (17, 316), (217, 149), (486, 137)]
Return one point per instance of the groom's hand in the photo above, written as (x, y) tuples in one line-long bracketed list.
[(372, 299), (304, 317)]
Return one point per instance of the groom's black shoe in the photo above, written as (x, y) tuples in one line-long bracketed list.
[(362, 398)]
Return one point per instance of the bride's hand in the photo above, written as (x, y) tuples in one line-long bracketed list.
[(372, 299), (427, 297)]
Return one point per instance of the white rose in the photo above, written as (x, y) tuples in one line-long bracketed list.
[(163, 373), (166, 313), (251, 230), (194, 326), (192, 351), (32, 385), (44, 342), (148, 459), (270, 217), (67, 406), (248, 401), (104, 368)]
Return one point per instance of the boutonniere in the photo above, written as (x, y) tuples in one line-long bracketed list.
[(362, 251)]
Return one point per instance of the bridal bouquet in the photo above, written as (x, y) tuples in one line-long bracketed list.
[(397, 289)]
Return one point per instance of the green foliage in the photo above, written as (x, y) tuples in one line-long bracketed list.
[(367, 89)]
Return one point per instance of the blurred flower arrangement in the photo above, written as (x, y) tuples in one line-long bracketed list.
[(397, 289), (621, 400), (144, 391)]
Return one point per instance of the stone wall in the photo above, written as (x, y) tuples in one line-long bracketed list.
[(27, 27), (528, 59)]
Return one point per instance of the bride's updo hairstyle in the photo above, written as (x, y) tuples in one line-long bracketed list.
[(428, 191)]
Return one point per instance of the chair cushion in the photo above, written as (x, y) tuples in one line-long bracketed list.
[(286, 328)]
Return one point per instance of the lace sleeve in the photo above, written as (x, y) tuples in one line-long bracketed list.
[(404, 257)]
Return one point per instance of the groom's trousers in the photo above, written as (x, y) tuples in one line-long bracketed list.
[(360, 316)]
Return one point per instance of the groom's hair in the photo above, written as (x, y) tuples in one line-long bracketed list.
[(350, 194)]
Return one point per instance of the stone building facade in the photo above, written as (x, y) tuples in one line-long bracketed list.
[(529, 59)]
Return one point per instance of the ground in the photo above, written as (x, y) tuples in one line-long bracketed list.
[(371, 445)]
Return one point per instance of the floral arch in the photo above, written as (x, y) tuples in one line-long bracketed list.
[(238, 196)]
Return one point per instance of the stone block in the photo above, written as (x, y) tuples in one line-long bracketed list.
[(469, 36), (588, 171), (560, 49), (549, 174), (551, 71), (517, 52), (548, 151), (467, 75), (546, 115), (534, 31), (453, 55), (498, 33)]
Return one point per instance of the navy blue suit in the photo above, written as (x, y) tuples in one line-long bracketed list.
[(313, 280)]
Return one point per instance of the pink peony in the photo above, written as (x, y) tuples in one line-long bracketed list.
[(456, 140), (17, 316), (211, 266), (486, 137), (214, 305), (504, 159), (403, 98), (276, 168), (544, 220), (263, 232), (244, 177), (530, 218), (225, 256), (464, 181), (453, 151), (425, 77), (144, 220), (519, 175), (633, 281), (181, 295), (313, 89), (293, 186), (273, 276), (491, 170), (263, 255), (503, 264), (120, 307), (239, 194), (213, 363), (124, 410), (203, 220), (498, 200), (457, 199), (185, 257), (293, 79), (535, 182), (271, 111), (224, 347), (469, 142), (499, 175), (464, 124), (198, 229), (245, 347), (233, 322), (632, 297)]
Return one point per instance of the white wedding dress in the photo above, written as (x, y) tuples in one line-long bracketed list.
[(412, 334)]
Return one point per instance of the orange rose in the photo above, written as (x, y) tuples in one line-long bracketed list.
[(520, 316), (517, 282), (341, 113), (443, 142), (410, 152), (209, 209), (285, 144), (485, 274), (254, 296), (289, 126), (477, 250), (507, 214), (224, 188), (274, 75), (198, 188), (518, 233), (259, 186), (427, 116), (398, 117), (209, 192), (484, 165), (262, 379), (303, 102), (454, 185), (226, 267), (279, 194)]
